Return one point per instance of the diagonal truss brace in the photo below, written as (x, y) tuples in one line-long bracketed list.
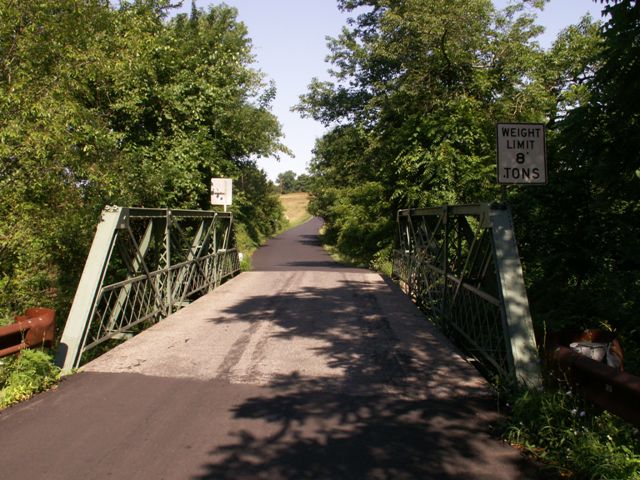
[(513, 295), (90, 281)]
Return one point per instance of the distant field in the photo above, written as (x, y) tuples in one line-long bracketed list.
[(295, 207)]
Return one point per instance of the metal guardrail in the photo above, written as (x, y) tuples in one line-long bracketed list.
[(461, 266), (33, 329), (592, 361), (607, 387), (145, 264)]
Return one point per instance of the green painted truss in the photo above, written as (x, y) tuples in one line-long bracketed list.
[(144, 264), (460, 264)]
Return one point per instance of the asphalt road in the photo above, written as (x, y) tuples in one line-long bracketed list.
[(295, 250), (300, 369)]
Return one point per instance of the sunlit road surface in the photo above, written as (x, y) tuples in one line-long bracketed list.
[(300, 369)]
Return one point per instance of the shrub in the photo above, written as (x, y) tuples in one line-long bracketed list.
[(564, 430), (25, 375), (5, 318)]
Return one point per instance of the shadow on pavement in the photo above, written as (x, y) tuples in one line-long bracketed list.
[(404, 407), (328, 435)]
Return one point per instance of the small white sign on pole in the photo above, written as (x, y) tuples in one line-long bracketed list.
[(221, 192), (522, 153)]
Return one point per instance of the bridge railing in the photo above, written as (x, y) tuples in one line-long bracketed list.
[(461, 266), (144, 264)]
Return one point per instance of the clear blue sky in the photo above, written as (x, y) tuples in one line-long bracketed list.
[(289, 42)]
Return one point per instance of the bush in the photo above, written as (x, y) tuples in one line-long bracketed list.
[(5, 318), (565, 431), (357, 221), (25, 375)]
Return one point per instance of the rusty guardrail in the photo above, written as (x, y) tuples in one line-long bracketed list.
[(33, 329), (605, 386)]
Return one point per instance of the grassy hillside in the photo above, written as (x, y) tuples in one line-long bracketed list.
[(295, 207)]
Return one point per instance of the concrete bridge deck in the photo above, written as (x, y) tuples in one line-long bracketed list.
[(300, 369)]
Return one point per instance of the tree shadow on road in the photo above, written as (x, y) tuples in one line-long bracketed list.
[(398, 402)]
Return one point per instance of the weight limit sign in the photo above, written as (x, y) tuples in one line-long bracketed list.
[(522, 153)]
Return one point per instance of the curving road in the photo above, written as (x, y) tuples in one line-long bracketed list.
[(298, 249), (300, 369)]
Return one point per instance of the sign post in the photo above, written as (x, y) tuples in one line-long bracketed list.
[(221, 192), (522, 154)]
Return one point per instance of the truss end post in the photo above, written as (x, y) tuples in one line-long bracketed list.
[(521, 343), (74, 334)]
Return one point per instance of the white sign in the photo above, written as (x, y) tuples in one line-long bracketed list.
[(221, 191), (522, 153)]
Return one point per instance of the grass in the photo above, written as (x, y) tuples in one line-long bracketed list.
[(573, 437), (295, 208)]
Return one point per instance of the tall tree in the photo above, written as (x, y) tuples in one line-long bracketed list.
[(286, 181), (580, 234), (116, 105), (418, 88)]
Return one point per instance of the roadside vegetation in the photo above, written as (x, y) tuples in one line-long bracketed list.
[(24, 375), (118, 103), (295, 207), (576, 439), (105, 103), (417, 90)]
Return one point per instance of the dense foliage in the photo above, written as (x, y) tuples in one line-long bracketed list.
[(120, 105), (579, 235), (419, 87), (573, 436), (24, 375)]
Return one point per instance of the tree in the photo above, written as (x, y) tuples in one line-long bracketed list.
[(303, 183), (419, 86), (286, 181), (579, 234), (117, 105)]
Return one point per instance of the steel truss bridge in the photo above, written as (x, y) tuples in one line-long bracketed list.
[(144, 264), (461, 266)]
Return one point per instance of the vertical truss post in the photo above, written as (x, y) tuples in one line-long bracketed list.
[(214, 248), (198, 249), (445, 260), (515, 305), (161, 261), (223, 261), (68, 353), (168, 290)]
